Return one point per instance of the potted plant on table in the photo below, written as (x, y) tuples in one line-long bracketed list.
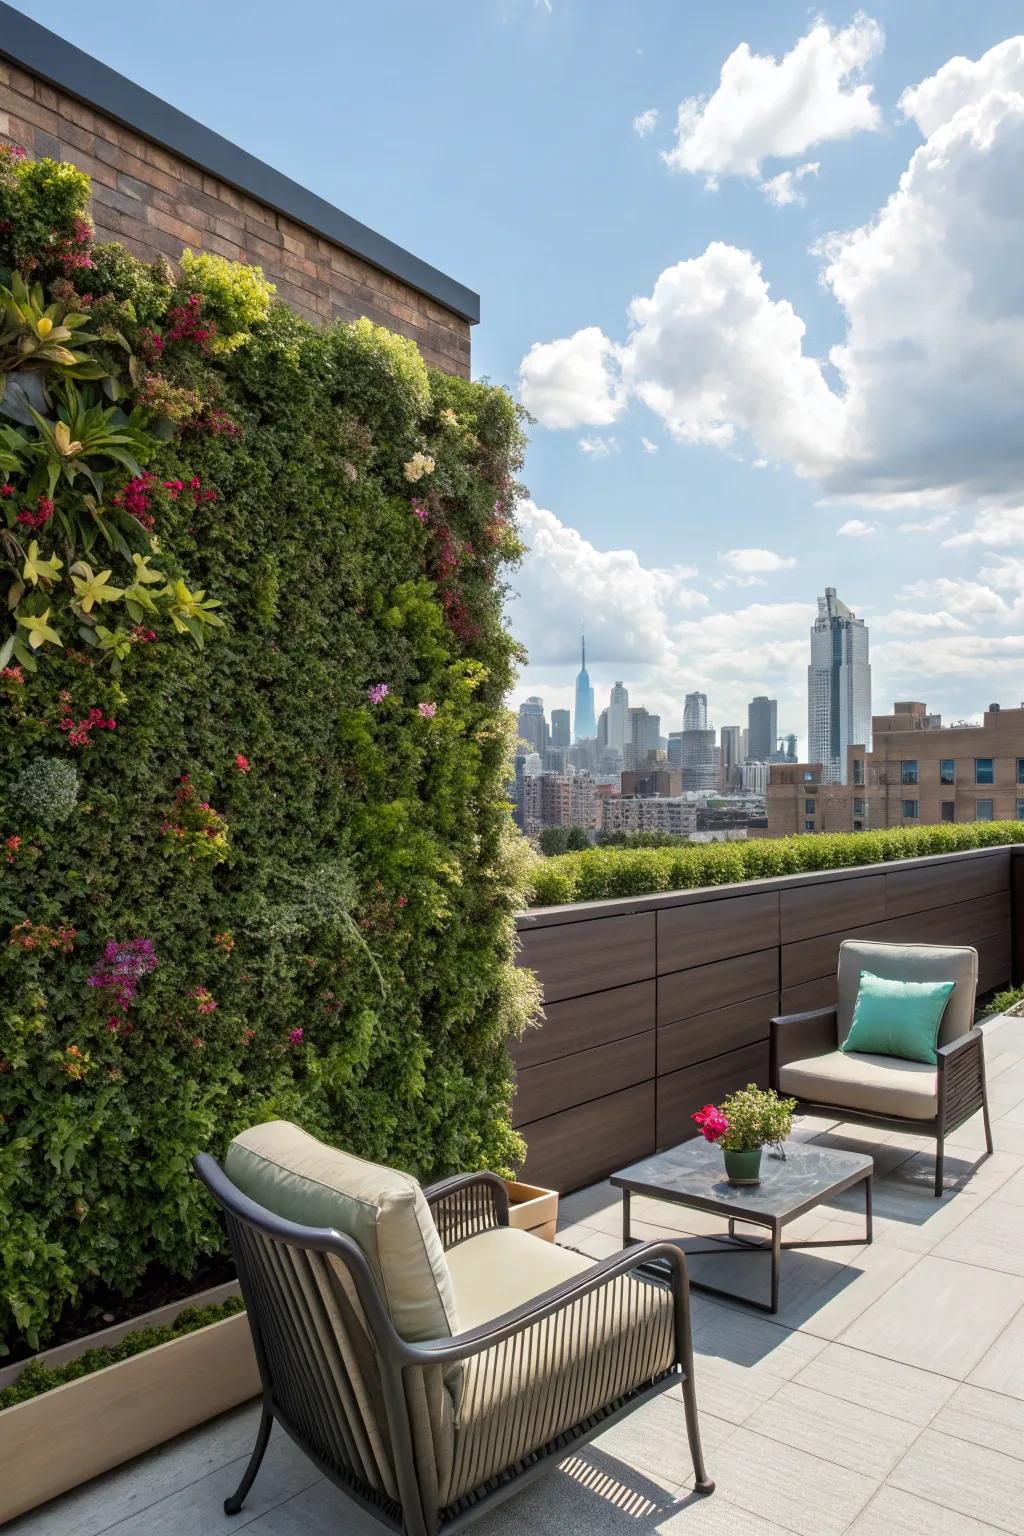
[(742, 1124)]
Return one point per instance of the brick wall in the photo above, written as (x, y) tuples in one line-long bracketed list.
[(155, 202)]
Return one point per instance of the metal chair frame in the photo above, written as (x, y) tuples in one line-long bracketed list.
[(462, 1206)]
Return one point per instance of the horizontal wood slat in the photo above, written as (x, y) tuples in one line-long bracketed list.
[(581, 1145), (944, 885), (689, 1041), (704, 987), (806, 911), (579, 1023), (590, 956), (592, 1074), (716, 930), (680, 1093)]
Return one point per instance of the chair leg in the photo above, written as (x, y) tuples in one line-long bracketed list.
[(985, 1115), (702, 1483), (237, 1499), (940, 1153)]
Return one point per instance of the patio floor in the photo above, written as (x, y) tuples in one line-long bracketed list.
[(885, 1399)]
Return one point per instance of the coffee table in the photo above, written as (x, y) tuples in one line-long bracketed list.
[(693, 1175)]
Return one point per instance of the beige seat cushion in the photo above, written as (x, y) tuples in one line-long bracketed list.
[(873, 1085), (295, 1176), (520, 1395)]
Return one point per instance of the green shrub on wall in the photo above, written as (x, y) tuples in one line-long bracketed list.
[(280, 878), (603, 873)]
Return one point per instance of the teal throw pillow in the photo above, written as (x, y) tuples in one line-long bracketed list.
[(898, 1018)]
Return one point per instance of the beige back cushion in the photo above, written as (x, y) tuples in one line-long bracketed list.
[(911, 962), (295, 1176)]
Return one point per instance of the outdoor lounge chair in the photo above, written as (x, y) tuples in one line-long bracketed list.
[(428, 1358), (807, 1064)]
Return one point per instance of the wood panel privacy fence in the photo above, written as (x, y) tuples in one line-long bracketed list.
[(655, 1005)]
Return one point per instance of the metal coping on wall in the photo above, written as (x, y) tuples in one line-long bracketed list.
[(63, 66)]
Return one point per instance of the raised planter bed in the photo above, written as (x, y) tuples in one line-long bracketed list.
[(533, 1209), (66, 1436)]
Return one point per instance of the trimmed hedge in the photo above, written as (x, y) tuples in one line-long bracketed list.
[(603, 873), (37, 1378), (282, 879)]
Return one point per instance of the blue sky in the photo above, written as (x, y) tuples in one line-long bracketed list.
[(496, 139)]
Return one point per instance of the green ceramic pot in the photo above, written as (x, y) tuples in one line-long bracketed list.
[(743, 1167)]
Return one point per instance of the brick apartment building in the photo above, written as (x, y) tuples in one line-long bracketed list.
[(635, 814), (918, 773), (161, 181)]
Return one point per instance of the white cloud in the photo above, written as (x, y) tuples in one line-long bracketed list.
[(648, 446), (598, 447), (993, 526), (572, 382), (766, 109), (905, 621), (784, 189), (754, 562), (711, 352), (929, 391), (963, 82), (927, 525), (856, 528), (651, 627), (960, 596), (645, 122)]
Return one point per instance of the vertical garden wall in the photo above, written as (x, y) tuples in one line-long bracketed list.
[(254, 847)]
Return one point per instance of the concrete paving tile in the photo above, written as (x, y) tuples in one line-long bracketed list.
[(199, 1508), (939, 1316), (858, 1438), (138, 1484), (970, 1479), (899, 1391), (780, 1483), (869, 1275), (653, 1440), (1001, 1368), (895, 1513), (985, 1418), (991, 1236), (751, 1339)]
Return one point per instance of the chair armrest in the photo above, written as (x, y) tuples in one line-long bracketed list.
[(961, 1079), (797, 1036), (467, 1203), (464, 1346)]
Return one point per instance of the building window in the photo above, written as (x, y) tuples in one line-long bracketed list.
[(947, 810), (984, 770), (910, 810), (858, 807), (1020, 770), (858, 770), (947, 770), (983, 810), (1020, 810), (858, 826), (808, 778), (809, 806), (908, 772), (808, 826)]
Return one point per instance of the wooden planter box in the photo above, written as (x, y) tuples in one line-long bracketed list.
[(533, 1209), (62, 1438)]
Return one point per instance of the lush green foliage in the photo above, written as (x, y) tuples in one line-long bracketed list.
[(37, 1378), (552, 840), (1002, 1002), (757, 1118), (287, 885), (609, 872), (642, 839)]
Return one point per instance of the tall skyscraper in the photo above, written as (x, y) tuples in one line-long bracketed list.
[(533, 728), (762, 728), (559, 728), (584, 722), (644, 737), (729, 738), (838, 687), (618, 718), (695, 712)]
